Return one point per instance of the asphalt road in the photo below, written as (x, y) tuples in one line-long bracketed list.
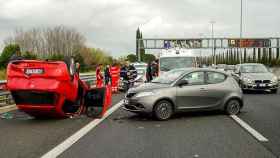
[(123, 134), (24, 137), (262, 111), (207, 134)]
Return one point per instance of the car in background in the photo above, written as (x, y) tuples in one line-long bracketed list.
[(187, 89), (221, 67), (255, 77), (230, 69), (141, 70)]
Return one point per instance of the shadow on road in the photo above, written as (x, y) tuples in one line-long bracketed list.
[(259, 92), (177, 116)]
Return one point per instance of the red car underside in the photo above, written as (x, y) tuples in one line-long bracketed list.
[(43, 88)]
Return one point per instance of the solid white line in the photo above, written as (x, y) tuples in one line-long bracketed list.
[(252, 131), (56, 151)]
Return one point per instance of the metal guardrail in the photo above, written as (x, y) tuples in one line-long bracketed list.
[(6, 98)]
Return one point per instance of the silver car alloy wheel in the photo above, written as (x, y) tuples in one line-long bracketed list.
[(163, 110), (233, 107)]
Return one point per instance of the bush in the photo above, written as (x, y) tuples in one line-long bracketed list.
[(29, 56), (57, 57), (7, 53), (2, 74)]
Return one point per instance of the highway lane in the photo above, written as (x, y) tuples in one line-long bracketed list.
[(200, 134), (262, 111), (23, 136)]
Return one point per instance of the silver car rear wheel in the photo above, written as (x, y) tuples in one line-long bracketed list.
[(233, 107), (163, 110)]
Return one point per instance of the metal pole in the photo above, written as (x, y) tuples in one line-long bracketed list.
[(200, 53), (213, 52), (241, 30)]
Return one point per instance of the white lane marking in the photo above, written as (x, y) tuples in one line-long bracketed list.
[(247, 127), (56, 151)]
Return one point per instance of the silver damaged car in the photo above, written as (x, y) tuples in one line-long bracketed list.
[(189, 89)]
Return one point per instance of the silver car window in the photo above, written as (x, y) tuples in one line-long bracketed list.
[(195, 78), (215, 77)]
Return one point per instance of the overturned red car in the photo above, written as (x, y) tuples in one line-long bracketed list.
[(54, 89)]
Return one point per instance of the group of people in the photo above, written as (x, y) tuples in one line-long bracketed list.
[(111, 76)]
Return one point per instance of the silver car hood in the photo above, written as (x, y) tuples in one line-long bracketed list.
[(148, 87), (258, 76)]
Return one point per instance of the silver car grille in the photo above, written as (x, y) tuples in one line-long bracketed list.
[(262, 81)]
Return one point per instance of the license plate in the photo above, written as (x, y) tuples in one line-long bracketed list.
[(262, 85), (33, 71)]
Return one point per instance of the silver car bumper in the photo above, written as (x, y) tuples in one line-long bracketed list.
[(143, 105), (260, 87)]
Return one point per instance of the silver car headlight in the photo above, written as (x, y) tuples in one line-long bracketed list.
[(144, 94), (274, 79), (247, 80)]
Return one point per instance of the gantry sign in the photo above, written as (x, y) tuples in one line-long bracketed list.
[(207, 43)]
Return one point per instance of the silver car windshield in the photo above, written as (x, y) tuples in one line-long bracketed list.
[(253, 69), (169, 77)]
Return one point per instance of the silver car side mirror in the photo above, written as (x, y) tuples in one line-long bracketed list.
[(182, 83)]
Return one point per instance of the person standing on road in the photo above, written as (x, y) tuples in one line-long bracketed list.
[(107, 75), (132, 74), (115, 74), (99, 76), (149, 74), (154, 66)]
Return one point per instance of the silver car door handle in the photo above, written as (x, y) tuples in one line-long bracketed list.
[(203, 90)]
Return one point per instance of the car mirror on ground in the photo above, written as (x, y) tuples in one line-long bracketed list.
[(182, 83)]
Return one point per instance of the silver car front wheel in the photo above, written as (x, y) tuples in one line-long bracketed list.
[(163, 110), (233, 107)]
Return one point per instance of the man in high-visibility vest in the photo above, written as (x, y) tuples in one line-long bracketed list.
[(99, 76), (115, 76)]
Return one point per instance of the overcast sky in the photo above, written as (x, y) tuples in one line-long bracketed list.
[(111, 24)]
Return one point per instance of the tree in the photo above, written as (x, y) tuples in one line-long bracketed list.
[(277, 53), (245, 55), (56, 57), (259, 55), (254, 54), (7, 53), (48, 41), (148, 58), (132, 58), (78, 58), (138, 36)]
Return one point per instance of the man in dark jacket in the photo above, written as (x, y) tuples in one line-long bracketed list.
[(132, 72), (149, 73), (107, 75)]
